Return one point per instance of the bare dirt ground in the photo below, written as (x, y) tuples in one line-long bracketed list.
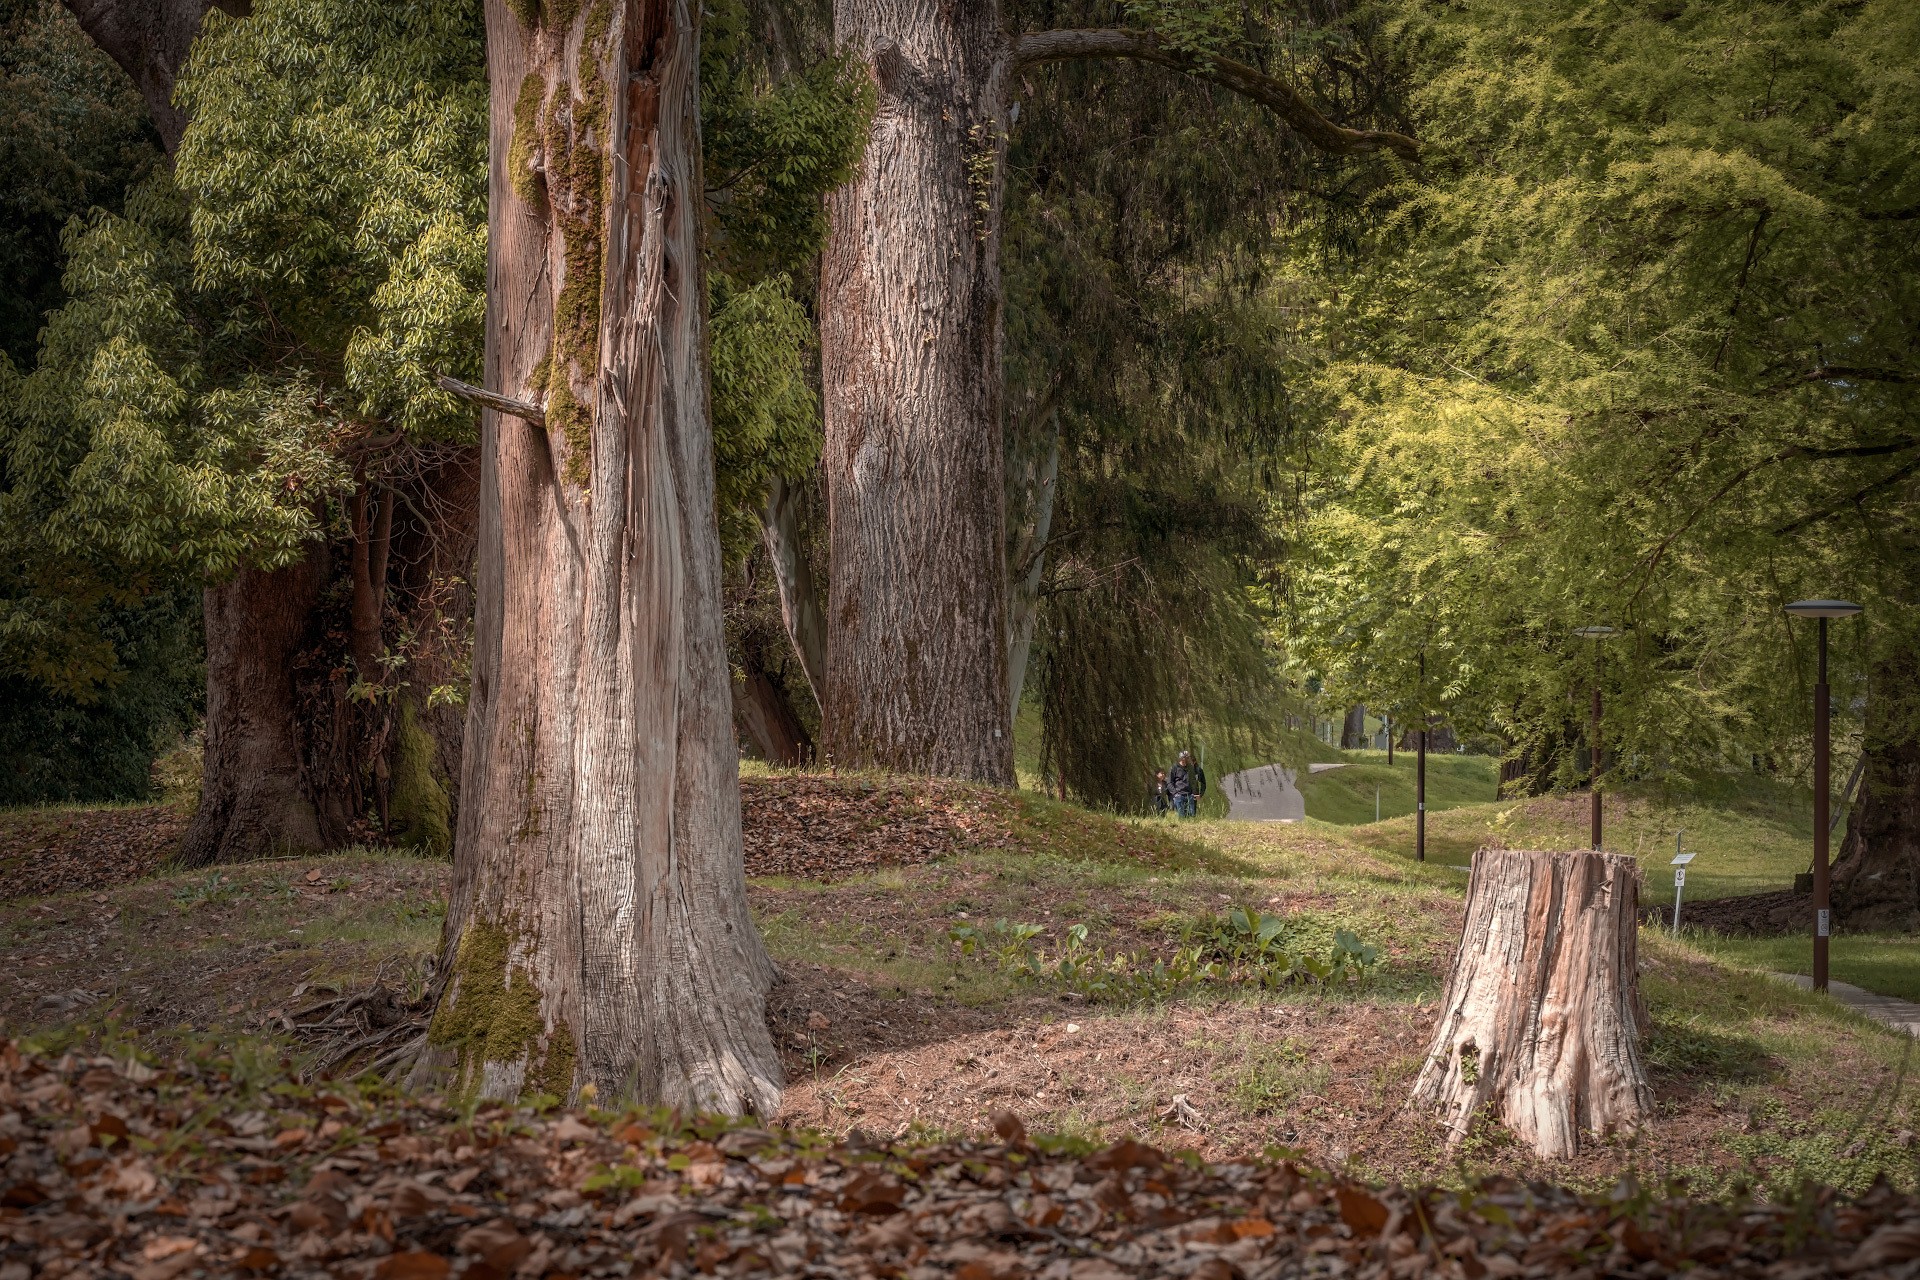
[(887, 1029)]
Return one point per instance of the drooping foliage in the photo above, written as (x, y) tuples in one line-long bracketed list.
[(1155, 329), (1637, 350)]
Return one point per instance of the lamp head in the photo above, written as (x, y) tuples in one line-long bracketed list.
[(1595, 633), (1823, 608)]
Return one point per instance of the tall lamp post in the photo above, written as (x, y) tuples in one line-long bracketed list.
[(1420, 772), (1821, 609), (1595, 633)]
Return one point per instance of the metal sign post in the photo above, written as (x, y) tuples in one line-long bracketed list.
[(1680, 862)]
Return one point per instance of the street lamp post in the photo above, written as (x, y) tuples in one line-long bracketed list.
[(1420, 773), (1595, 633), (1823, 610)]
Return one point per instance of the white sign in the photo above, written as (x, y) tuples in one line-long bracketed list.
[(1820, 929), (1679, 876)]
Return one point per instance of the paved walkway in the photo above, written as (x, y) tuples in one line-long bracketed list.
[(1268, 793), (1901, 1015), (1265, 794)]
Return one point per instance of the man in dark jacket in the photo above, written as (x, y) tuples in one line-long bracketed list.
[(1188, 782)]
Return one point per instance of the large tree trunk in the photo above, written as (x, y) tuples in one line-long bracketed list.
[(597, 930), (252, 802), (1542, 1016), (149, 40), (1876, 881), (911, 369), (763, 714), (1353, 730)]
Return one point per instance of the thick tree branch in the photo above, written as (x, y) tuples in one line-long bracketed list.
[(1277, 96), (1853, 499), (525, 410), (1652, 559), (149, 40)]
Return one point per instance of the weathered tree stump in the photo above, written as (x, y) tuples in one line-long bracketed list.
[(1542, 1016)]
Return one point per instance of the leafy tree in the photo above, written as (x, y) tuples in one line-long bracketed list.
[(1636, 349)]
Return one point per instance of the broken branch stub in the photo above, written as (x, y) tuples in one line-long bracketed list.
[(1542, 1016)]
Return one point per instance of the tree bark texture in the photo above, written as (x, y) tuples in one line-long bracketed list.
[(597, 929), (252, 802), (910, 338), (1876, 879), (1542, 1017), (768, 721), (910, 335)]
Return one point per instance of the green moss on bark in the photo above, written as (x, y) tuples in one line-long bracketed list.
[(521, 174), (576, 175), (553, 1074), (492, 1014), (422, 799), (528, 11)]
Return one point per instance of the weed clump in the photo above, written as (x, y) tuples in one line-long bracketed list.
[(1244, 948)]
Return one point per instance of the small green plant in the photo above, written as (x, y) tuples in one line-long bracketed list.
[(1244, 948), (216, 888)]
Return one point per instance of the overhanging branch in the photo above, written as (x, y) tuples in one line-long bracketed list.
[(1277, 96), (525, 410)]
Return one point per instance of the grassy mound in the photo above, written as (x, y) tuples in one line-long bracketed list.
[(1079, 1013)]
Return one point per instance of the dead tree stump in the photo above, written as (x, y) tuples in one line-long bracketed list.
[(1542, 1016)]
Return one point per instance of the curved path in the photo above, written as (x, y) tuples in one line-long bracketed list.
[(1268, 793)]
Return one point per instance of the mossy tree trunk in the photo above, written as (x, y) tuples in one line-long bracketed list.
[(1542, 1018), (597, 930)]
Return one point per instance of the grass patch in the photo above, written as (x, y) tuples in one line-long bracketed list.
[(1888, 963), (1752, 834), (1346, 796)]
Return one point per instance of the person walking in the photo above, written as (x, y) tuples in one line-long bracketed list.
[(1188, 782), (1162, 795)]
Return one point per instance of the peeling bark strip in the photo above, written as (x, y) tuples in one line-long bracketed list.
[(1542, 1016), (911, 369), (597, 929)]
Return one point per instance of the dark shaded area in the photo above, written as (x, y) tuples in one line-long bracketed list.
[(73, 135), (58, 747)]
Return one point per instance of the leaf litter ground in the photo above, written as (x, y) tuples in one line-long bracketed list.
[(199, 1167)]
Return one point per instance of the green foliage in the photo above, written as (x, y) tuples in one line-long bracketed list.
[(773, 147), (336, 166), (1150, 332), (766, 419), (228, 337), (1635, 349), (1244, 948), (99, 745), (73, 135)]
